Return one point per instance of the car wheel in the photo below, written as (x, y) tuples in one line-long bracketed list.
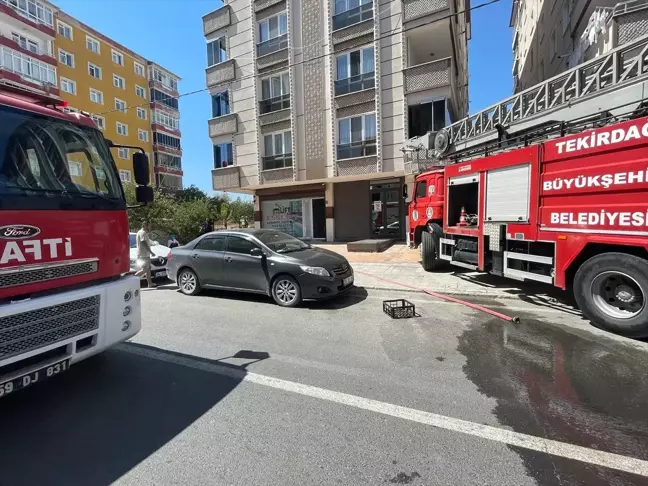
[(286, 291), (188, 282), (612, 289)]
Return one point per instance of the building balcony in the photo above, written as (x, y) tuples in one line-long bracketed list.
[(226, 178), (272, 45), (47, 58), (274, 104), (414, 9), (221, 73), (28, 71), (216, 20), (353, 150), (353, 16), (166, 169), (169, 110), (163, 87), (433, 74), (355, 83), (167, 149), (30, 20), (223, 125), (156, 127), (282, 161)]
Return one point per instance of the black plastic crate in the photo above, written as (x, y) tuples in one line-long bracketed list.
[(399, 308)]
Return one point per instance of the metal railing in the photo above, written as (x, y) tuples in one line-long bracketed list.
[(353, 16), (356, 149), (274, 104), (629, 6), (280, 161), (355, 83), (272, 45), (584, 90)]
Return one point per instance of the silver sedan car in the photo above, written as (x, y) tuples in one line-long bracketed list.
[(261, 261)]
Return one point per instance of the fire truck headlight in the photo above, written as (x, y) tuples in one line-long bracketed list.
[(127, 311), (128, 296), (126, 326)]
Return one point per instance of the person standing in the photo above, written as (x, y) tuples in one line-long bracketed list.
[(172, 243), (144, 252)]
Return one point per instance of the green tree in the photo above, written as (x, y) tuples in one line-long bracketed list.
[(191, 193), (160, 212)]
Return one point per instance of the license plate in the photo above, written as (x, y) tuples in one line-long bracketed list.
[(347, 281), (34, 377)]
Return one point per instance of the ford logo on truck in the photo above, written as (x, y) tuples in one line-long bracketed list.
[(18, 231)]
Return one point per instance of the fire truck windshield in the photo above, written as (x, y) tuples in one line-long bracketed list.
[(68, 165)]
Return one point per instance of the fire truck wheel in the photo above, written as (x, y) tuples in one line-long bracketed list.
[(188, 282), (611, 290), (428, 252)]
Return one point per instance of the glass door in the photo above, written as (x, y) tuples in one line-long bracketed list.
[(386, 210)]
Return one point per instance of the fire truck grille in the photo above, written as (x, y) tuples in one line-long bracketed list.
[(31, 330), (43, 274)]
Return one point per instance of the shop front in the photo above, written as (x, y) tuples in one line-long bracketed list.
[(300, 215)]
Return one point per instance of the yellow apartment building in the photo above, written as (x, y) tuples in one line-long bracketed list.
[(100, 76)]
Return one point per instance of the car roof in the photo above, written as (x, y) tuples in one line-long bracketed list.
[(245, 231)]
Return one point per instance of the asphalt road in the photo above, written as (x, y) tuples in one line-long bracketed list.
[(231, 389)]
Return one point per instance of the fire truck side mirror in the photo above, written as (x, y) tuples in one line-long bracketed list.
[(141, 169), (144, 194)]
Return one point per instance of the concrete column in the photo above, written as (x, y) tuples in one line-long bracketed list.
[(330, 221), (257, 212)]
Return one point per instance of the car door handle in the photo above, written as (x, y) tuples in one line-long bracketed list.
[(194, 256), (228, 259)]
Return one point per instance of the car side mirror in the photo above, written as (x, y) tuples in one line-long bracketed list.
[(257, 252)]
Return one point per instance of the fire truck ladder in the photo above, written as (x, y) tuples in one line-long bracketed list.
[(609, 85)]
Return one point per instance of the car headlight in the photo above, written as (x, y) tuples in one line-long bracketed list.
[(322, 272)]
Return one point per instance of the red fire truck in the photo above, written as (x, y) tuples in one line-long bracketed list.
[(65, 291), (559, 196)]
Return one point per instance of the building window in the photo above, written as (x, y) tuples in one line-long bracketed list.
[(33, 10), (142, 135), (122, 153), (28, 67), (100, 121), (68, 86), (25, 43), (139, 91), (120, 105), (166, 160), (94, 70), (216, 51), (139, 69), (220, 104), (64, 30), (119, 82), (426, 117), (171, 122), (165, 99), (223, 155), (141, 113), (75, 168), (122, 128), (96, 96), (277, 150), (166, 140), (66, 58), (273, 27), (349, 12), (355, 71), (92, 44), (275, 93), (357, 136), (125, 175), (164, 79), (117, 57)]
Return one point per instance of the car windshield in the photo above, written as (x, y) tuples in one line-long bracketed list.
[(40, 154), (281, 242)]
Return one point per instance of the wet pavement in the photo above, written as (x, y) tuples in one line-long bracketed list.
[(554, 383), (338, 393)]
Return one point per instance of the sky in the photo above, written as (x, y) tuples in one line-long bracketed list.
[(169, 32)]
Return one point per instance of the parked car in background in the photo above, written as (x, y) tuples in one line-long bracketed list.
[(158, 262), (261, 261)]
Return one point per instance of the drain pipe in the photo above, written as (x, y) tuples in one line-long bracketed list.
[(478, 307)]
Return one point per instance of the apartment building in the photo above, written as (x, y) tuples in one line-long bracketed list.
[(313, 102), (48, 51), (165, 127), (546, 33)]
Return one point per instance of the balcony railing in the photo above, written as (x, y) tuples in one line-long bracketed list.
[(272, 45), (355, 83), (356, 149), (277, 161), (353, 16), (27, 67), (413, 9), (274, 104), (216, 20), (428, 75)]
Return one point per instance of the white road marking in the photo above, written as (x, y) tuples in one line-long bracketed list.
[(539, 444)]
